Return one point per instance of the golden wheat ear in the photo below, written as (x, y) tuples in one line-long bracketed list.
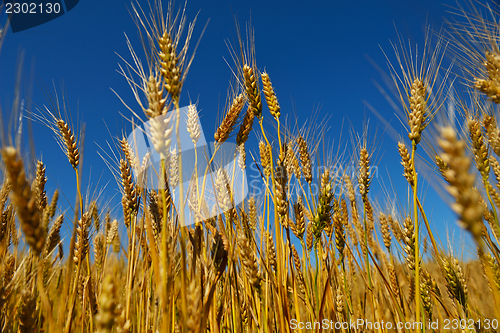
[(25, 201), (69, 140), (461, 182)]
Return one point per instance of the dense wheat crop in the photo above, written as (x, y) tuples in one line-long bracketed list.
[(315, 251)]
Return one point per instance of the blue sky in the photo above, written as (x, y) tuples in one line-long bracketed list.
[(317, 55)]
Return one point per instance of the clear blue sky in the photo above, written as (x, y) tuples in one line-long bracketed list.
[(316, 53)]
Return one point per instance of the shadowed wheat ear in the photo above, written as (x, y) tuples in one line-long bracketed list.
[(108, 312), (27, 312), (24, 200)]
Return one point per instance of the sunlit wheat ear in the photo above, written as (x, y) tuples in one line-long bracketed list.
[(129, 155), (156, 101), (169, 62), (340, 236), (69, 140), (442, 166), (455, 280), (130, 197), (479, 148), (99, 252), (490, 86), (280, 186), (493, 133), (112, 233), (461, 182), (249, 262), (294, 166), (364, 174), (426, 287), (252, 90), (298, 269), (54, 235), (252, 213), (298, 228), (94, 212), (223, 190), (270, 250), (242, 156), (230, 118), (105, 319), (352, 199), (339, 301), (4, 193), (393, 278), (324, 205), (305, 159), (384, 228), (265, 158), (490, 261), (417, 117), (271, 99), (488, 214), (406, 162), (39, 186), (24, 200), (495, 166), (409, 241), (82, 238), (192, 123), (245, 127), (161, 133)]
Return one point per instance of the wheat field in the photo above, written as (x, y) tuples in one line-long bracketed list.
[(315, 251)]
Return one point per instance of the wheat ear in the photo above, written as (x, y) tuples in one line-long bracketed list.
[(23, 198)]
